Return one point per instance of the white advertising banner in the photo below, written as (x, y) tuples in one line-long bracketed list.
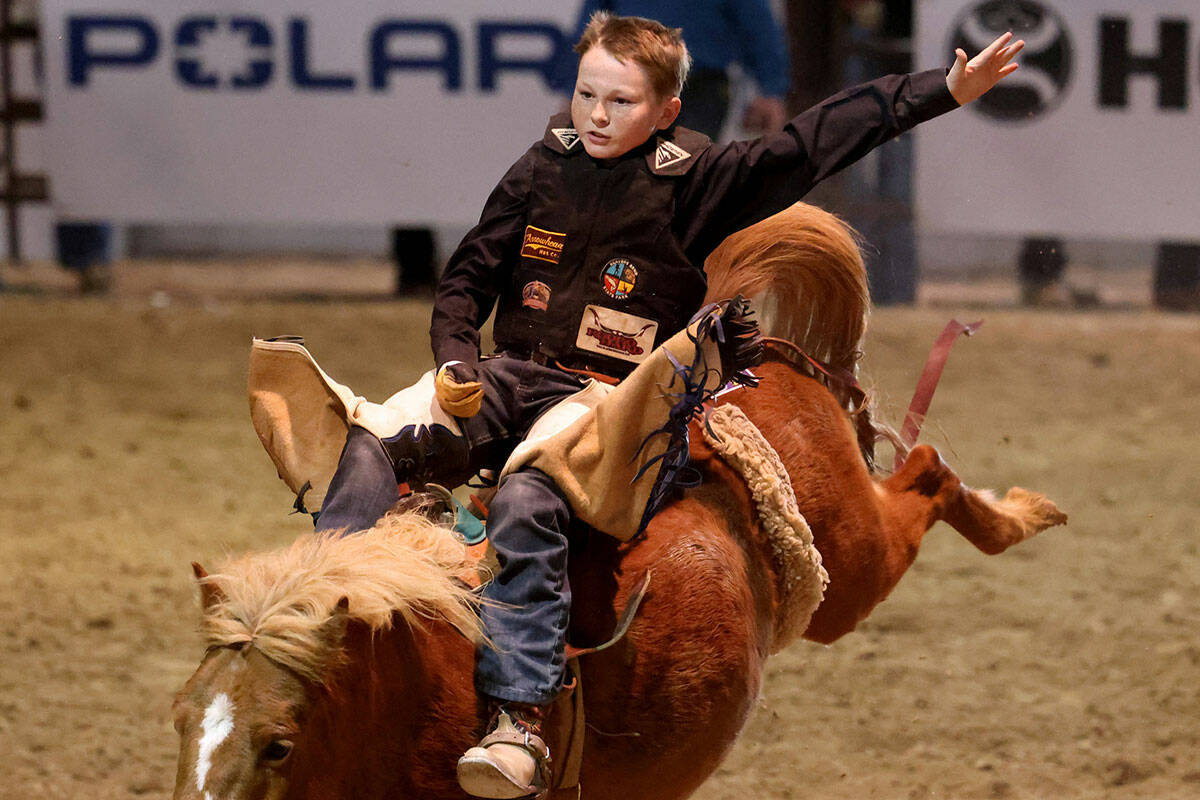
[(216, 111), (1096, 135)]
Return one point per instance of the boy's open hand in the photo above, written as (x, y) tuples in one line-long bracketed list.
[(970, 79)]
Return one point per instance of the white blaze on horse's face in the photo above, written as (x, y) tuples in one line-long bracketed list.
[(215, 728), (237, 718)]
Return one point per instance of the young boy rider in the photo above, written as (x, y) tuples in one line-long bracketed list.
[(592, 245)]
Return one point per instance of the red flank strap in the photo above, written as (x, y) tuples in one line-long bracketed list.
[(929, 381)]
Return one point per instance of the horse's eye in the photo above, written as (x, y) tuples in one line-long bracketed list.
[(277, 752)]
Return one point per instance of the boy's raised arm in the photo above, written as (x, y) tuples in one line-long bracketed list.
[(968, 80), (745, 182)]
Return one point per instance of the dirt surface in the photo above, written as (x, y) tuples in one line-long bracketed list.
[(1068, 667)]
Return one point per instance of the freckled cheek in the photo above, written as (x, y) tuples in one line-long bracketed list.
[(635, 120), (581, 111)]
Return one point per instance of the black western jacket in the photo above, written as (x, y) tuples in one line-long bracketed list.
[(595, 262)]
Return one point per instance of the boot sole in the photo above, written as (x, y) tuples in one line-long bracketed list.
[(479, 777)]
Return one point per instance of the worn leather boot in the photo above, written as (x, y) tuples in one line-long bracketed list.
[(511, 760)]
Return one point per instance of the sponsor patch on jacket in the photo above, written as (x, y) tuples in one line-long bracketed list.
[(668, 153), (616, 334), (535, 295), (619, 277), (568, 136), (543, 245)]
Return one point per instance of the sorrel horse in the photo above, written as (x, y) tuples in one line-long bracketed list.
[(341, 668)]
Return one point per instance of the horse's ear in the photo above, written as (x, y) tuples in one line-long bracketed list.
[(333, 630), (210, 593)]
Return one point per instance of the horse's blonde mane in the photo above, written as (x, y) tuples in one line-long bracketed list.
[(805, 269), (278, 601)]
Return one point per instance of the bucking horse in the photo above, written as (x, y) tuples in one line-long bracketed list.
[(342, 667)]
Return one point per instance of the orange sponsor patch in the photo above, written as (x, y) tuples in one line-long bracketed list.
[(543, 245)]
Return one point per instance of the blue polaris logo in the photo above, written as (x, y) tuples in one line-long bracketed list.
[(247, 52)]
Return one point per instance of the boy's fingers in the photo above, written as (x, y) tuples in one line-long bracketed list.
[(1008, 52), (989, 51), (1000, 41)]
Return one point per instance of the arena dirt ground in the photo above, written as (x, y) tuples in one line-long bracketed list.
[(1068, 667)]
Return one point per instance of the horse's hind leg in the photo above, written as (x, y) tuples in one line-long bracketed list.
[(995, 525), (991, 525)]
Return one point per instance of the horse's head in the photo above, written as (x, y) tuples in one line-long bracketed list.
[(295, 638), (241, 717)]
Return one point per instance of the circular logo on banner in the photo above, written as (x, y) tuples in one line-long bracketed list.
[(620, 277), (1041, 82)]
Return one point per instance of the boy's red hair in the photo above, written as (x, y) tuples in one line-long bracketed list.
[(654, 47)]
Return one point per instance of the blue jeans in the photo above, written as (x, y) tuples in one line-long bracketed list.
[(527, 605), (529, 600), (362, 489)]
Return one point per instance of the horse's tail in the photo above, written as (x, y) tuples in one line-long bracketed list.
[(804, 269)]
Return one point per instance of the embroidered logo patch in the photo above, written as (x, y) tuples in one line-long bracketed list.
[(568, 136), (543, 245), (616, 334), (620, 277), (535, 295), (668, 153)]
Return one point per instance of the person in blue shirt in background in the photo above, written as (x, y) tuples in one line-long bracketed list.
[(719, 33)]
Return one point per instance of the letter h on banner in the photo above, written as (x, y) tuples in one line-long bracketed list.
[(1169, 66)]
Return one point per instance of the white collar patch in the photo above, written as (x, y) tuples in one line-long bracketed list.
[(568, 136), (215, 728), (668, 153)]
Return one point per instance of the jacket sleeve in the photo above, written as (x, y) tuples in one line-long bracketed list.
[(739, 184), (475, 273)]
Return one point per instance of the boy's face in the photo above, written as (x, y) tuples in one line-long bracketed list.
[(614, 107)]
